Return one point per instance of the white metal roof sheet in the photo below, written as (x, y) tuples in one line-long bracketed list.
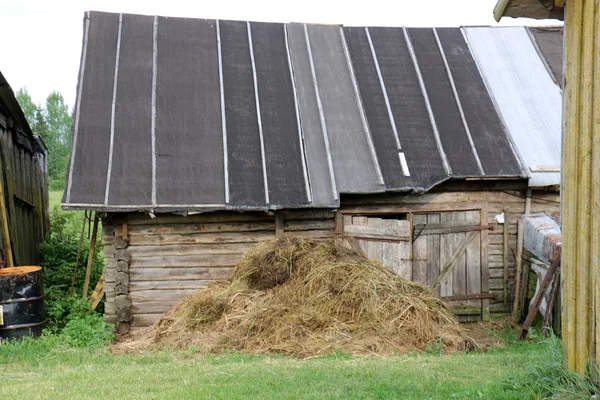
[(526, 96)]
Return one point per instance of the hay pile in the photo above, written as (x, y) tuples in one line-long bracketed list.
[(304, 297)]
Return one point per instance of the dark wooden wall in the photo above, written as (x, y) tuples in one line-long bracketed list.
[(23, 170)]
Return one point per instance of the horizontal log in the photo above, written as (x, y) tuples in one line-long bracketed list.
[(186, 229), (189, 249), (433, 197), (143, 320), (169, 285), (177, 273), (153, 307), (428, 230), (368, 209), (161, 295), (201, 238), (308, 225), (229, 216), (198, 260), (311, 234)]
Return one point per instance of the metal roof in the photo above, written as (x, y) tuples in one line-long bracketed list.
[(529, 100), (191, 114)]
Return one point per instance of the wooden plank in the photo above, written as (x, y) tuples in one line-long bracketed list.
[(374, 231), (195, 284), (427, 230), (469, 297), (198, 260), (97, 294), (433, 254), (201, 238), (143, 320), (177, 274), (225, 216), (446, 250), (152, 307), (390, 256), (339, 223), (362, 244), (473, 268), (544, 168), (189, 249), (420, 252), (278, 224), (459, 271), (161, 295), (453, 259), (375, 248), (185, 229)]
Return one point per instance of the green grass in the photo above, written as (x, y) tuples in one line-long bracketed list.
[(41, 370)]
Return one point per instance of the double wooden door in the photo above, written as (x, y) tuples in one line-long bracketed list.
[(441, 250)]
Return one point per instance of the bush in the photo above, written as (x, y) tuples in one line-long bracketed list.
[(66, 311)]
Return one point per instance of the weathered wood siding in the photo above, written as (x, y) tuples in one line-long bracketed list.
[(173, 256), (23, 171), (170, 257)]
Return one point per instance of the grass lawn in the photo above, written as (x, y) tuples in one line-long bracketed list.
[(32, 372)]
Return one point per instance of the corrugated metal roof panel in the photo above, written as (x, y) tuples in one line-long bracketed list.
[(525, 94)]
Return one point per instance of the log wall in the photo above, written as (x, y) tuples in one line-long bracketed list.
[(173, 256)]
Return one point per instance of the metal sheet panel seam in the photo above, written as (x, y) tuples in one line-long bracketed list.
[(458, 102), (436, 132), (361, 109), (260, 131), (321, 114), (113, 108), (153, 125), (298, 118), (223, 119), (78, 107)]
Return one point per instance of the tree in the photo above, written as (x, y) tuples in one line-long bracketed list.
[(53, 125)]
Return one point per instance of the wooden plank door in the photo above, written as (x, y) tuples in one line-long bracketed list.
[(383, 239), (447, 258)]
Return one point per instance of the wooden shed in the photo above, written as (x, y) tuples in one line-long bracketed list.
[(201, 138), (23, 185)]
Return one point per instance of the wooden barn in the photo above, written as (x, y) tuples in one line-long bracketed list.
[(197, 139), (23, 185)]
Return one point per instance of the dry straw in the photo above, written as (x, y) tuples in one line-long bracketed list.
[(304, 297)]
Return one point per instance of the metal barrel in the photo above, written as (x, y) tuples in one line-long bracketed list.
[(21, 302)]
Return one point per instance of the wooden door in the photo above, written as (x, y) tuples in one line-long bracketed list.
[(447, 257), (383, 239)]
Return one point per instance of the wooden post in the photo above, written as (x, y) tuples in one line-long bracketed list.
[(581, 184), (5, 229), (78, 254), (278, 224), (505, 256), (88, 270), (516, 313)]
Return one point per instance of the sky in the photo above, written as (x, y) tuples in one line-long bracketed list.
[(41, 39)]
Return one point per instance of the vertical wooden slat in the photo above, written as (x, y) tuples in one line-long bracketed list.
[(374, 248), (405, 252), (505, 255), (485, 270), (473, 264), (420, 252), (363, 244), (459, 272), (391, 251), (447, 246), (433, 253)]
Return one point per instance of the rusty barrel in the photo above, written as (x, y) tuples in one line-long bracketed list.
[(21, 302)]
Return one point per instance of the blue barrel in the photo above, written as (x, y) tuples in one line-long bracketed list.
[(21, 302)]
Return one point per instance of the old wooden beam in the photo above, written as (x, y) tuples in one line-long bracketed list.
[(88, 271), (469, 297), (279, 224)]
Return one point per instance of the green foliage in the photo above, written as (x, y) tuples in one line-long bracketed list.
[(549, 377), (53, 123), (87, 330), (436, 348), (59, 254)]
